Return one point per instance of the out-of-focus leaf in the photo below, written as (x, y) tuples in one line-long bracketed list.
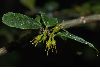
[(29, 3), (96, 9), (48, 21), (21, 21), (65, 35), (50, 6), (84, 9)]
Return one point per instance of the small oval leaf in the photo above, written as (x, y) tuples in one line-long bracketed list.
[(21, 21), (48, 21)]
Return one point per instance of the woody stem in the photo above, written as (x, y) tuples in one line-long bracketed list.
[(81, 20)]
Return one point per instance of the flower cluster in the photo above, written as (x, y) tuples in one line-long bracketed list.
[(51, 42)]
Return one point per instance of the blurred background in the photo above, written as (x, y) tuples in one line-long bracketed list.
[(17, 51)]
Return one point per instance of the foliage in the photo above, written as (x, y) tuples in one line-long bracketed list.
[(21, 21), (48, 22), (65, 35)]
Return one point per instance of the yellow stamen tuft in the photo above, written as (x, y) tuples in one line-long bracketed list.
[(36, 40), (50, 44)]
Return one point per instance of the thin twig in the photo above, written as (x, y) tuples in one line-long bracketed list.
[(3, 50), (81, 20)]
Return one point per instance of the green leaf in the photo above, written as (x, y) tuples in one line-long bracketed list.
[(48, 21), (21, 21), (29, 4), (65, 35), (38, 18)]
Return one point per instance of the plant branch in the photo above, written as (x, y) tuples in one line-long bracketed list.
[(81, 20)]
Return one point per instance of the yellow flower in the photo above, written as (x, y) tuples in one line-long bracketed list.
[(51, 44), (37, 39), (54, 43)]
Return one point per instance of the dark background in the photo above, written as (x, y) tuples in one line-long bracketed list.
[(20, 52)]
